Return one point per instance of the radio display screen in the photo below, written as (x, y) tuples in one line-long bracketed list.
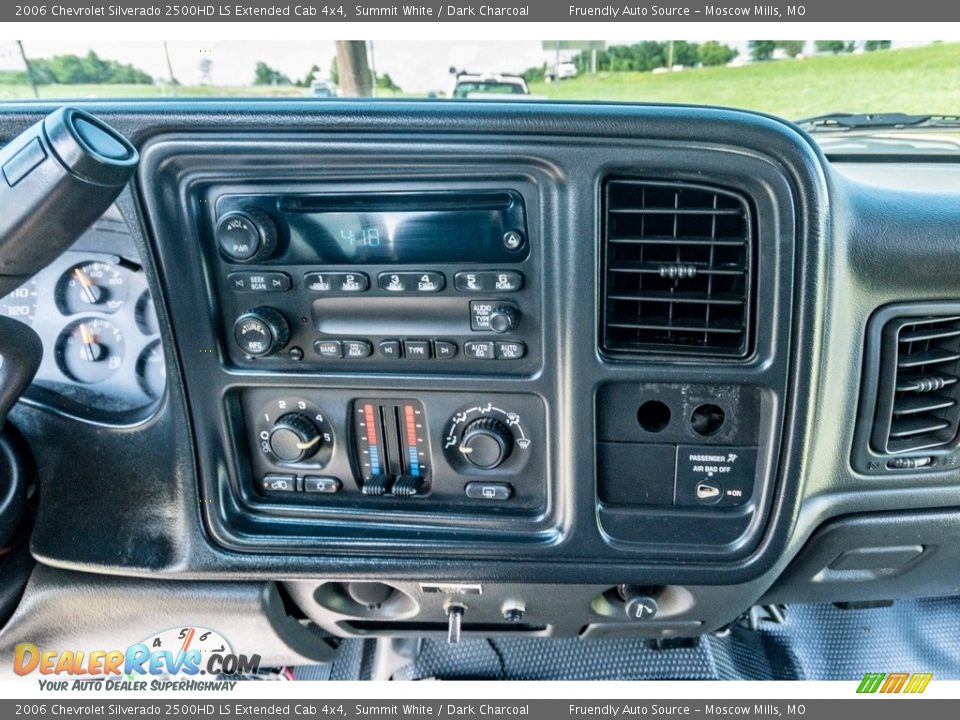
[(407, 229)]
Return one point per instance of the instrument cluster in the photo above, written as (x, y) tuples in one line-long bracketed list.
[(93, 311)]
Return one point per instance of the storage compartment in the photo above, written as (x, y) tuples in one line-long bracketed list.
[(879, 556)]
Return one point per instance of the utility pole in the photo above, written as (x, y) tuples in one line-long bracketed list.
[(173, 80), (353, 68), (30, 78)]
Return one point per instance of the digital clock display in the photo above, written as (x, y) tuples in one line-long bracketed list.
[(418, 229)]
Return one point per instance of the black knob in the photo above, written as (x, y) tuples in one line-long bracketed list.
[(261, 331), (247, 235), (504, 318), (294, 437), (639, 602), (486, 443)]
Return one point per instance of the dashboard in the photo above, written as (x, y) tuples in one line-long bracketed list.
[(557, 364)]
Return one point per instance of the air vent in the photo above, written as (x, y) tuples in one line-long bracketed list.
[(918, 400), (678, 263)]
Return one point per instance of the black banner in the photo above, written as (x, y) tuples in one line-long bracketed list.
[(220, 707), (459, 11)]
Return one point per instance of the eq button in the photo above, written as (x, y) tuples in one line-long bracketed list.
[(479, 350)]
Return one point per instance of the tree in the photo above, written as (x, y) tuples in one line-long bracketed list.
[(762, 50), (334, 71), (89, 69), (685, 53), (263, 74), (833, 46), (312, 75), (872, 45), (385, 82), (205, 67), (714, 53), (791, 48)]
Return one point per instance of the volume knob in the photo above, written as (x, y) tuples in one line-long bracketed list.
[(246, 235), (294, 437), (486, 443)]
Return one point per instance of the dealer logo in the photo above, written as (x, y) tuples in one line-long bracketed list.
[(187, 651)]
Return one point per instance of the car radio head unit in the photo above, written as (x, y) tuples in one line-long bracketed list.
[(373, 228), (360, 280)]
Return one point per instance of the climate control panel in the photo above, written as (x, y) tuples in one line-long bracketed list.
[(430, 451)]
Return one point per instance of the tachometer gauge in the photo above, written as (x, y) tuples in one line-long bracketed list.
[(21, 304), (90, 350), (151, 370), (92, 286)]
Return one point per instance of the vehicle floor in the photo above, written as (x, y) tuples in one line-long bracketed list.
[(814, 642)]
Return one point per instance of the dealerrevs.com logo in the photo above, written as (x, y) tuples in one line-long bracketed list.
[(176, 653)]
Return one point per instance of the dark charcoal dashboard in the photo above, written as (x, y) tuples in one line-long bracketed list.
[(557, 365)]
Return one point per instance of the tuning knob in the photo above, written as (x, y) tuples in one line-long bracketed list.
[(504, 318), (294, 437), (261, 331), (486, 443), (246, 235)]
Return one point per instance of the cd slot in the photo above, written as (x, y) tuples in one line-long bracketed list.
[(387, 202), (400, 316)]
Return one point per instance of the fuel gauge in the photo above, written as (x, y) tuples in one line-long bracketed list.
[(90, 350), (92, 286)]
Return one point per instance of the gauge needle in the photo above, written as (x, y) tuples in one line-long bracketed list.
[(90, 350), (88, 290)]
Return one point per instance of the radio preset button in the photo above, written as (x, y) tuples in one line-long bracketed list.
[(444, 349), (259, 282), (479, 350), (511, 350), (390, 348), (411, 282), (488, 281), (416, 349), (354, 282), (328, 348), (356, 349)]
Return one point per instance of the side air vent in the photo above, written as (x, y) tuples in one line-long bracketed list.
[(918, 399), (677, 269)]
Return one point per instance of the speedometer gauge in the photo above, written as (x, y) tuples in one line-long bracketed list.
[(92, 286), (21, 304), (90, 350)]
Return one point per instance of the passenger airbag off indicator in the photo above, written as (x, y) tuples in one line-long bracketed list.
[(715, 475)]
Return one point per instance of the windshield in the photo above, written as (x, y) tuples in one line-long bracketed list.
[(792, 79)]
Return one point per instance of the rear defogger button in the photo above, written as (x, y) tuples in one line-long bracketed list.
[(715, 475)]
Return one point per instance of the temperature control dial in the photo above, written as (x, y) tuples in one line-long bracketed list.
[(486, 443), (294, 437), (261, 331)]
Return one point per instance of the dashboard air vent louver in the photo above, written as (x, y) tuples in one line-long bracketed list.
[(918, 406), (677, 269)]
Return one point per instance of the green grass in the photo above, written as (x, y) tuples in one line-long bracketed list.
[(921, 80)]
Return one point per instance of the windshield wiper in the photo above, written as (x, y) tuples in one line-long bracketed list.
[(876, 121)]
